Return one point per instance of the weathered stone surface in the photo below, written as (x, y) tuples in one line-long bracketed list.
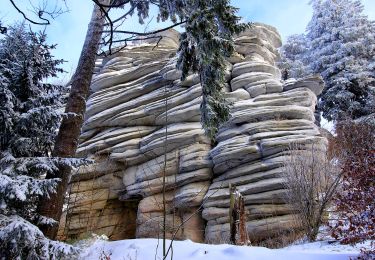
[(256, 90), (221, 216), (114, 218), (264, 32), (170, 38), (125, 75), (112, 137), (152, 225), (248, 67), (151, 169), (268, 126), (258, 229), (236, 57), (248, 78), (142, 128), (237, 95), (251, 146), (177, 135), (194, 224), (191, 194), (289, 112), (113, 96), (314, 83)]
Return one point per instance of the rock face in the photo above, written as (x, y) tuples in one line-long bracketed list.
[(142, 122)]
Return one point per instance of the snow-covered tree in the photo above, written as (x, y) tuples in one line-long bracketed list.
[(29, 119), (342, 50), (293, 62), (206, 42), (339, 44)]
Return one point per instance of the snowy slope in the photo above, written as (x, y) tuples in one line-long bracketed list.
[(145, 249)]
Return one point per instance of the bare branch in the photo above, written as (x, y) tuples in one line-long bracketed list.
[(40, 12), (157, 43), (114, 3), (122, 17), (148, 33)]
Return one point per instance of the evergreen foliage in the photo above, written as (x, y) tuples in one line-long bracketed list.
[(293, 61), (340, 45), (204, 46), (29, 119)]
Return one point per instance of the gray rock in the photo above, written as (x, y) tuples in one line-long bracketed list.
[(248, 66), (249, 78), (314, 83), (256, 90)]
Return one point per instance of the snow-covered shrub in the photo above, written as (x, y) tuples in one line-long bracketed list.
[(19, 239), (29, 120), (355, 145)]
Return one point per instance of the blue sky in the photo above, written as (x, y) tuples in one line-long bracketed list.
[(69, 29)]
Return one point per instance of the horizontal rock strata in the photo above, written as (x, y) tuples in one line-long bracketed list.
[(142, 128), (137, 98), (251, 146)]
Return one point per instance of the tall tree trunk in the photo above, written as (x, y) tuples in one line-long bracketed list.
[(70, 129)]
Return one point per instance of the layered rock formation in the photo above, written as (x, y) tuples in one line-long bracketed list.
[(251, 146), (142, 122), (136, 93)]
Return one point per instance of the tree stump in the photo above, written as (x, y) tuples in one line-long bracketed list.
[(237, 216)]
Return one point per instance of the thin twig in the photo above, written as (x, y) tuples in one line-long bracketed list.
[(146, 33), (40, 15)]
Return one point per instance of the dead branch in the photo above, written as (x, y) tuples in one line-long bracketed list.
[(40, 12)]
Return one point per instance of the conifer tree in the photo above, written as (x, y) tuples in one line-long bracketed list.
[(29, 119), (293, 62), (205, 44), (340, 45), (342, 51)]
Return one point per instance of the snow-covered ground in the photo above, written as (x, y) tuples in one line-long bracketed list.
[(149, 249)]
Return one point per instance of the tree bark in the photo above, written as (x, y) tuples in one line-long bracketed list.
[(70, 128), (237, 218), (232, 214)]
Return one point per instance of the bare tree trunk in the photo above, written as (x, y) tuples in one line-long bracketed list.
[(164, 172), (70, 129)]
